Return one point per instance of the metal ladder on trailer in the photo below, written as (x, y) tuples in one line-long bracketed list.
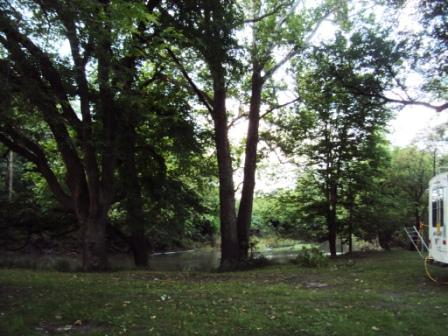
[(417, 240)]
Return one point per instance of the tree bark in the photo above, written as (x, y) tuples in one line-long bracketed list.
[(94, 240), (332, 231), (418, 218), (250, 165), (350, 225), (331, 221), (133, 202), (10, 175), (139, 249), (350, 236), (229, 236)]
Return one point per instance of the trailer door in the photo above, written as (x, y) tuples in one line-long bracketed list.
[(438, 228)]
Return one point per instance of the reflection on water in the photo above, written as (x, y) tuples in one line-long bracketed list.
[(206, 259), (194, 260)]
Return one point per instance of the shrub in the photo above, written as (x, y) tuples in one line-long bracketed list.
[(311, 257)]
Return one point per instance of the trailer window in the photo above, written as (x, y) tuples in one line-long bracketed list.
[(437, 207)]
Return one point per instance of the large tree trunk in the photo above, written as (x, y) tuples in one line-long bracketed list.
[(139, 249), (229, 236), (136, 220), (134, 202), (250, 165), (95, 246)]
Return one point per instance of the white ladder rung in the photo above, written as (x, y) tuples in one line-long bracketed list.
[(414, 236)]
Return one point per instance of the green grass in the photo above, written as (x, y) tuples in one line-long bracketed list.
[(371, 294)]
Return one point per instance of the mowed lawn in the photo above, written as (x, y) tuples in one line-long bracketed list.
[(367, 294)]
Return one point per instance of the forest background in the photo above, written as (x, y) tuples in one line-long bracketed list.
[(121, 123)]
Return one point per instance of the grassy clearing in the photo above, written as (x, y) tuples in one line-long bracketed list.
[(371, 294)]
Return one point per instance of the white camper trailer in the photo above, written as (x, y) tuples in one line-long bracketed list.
[(435, 249), (438, 206), (438, 211)]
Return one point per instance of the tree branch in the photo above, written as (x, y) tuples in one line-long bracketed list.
[(357, 90), (33, 152), (45, 65), (437, 108), (264, 16), (279, 106), (235, 120), (295, 50), (31, 85), (293, 4), (202, 96)]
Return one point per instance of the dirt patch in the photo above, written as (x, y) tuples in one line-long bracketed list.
[(306, 281), (77, 327)]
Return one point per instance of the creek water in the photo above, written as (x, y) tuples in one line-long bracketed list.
[(207, 259), (203, 259)]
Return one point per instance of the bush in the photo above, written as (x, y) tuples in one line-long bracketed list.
[(62, 265), (311, 257)]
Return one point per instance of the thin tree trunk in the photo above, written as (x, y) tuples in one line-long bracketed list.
[(350, 236), (350, 226), (250, 165), (229, 236), (10, 175), (418, 218), (331, 221)]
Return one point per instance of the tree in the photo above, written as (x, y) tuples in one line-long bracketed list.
[(294, 28), (335, 130), (208, 27), (423, 49), (431, 48), (274, 26), (77, 97), (396, 198), (411, 170), (361, 188)]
